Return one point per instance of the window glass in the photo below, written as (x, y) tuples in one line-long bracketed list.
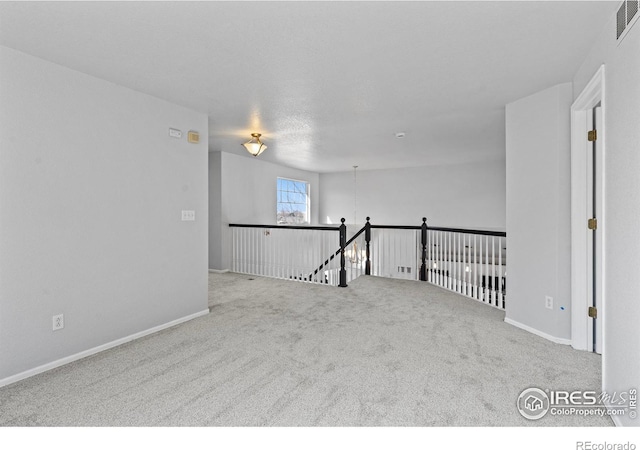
[(292, 201)]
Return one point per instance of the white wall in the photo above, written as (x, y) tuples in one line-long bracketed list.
[(215, 210), (91, 193), (461, 195), (248, 193), (538, 211), (622, 199)]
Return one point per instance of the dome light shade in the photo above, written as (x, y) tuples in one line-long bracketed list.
[(255, 146)]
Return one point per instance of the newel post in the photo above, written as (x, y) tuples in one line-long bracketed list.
[(367, 239), (423, 268), (343, 242)]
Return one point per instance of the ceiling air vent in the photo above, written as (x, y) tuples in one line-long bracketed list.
[(626, 16)]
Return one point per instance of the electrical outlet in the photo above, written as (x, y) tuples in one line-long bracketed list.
[(58, 322), (188, 216), (548, 302)]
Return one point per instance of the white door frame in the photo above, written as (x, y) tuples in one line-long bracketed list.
[(581, 268)]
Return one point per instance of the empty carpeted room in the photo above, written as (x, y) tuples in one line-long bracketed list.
[(319, 214)]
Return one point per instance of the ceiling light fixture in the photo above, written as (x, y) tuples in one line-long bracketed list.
[(255, 146)]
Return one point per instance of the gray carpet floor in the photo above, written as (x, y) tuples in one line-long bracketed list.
[(381, 352)]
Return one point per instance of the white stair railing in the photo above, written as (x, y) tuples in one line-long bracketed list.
[(286, 252), (394, 253), (469, 262), (355, 256)]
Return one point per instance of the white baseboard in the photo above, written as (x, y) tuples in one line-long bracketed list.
[(614, 417), (538, 332), (92, 351), (219, 271), (616, 421)]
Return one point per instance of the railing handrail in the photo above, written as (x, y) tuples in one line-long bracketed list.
[(337, 252), (327, 261), (291, 227), (397, 227), (355, 236), (452, 230), (469, 231), (388, 227)]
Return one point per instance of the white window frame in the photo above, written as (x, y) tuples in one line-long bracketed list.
[(307, 205)]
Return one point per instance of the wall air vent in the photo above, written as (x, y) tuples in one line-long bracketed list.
[(632, 10), (626, 16)]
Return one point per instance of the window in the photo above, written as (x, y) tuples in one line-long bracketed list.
[(293, 202)]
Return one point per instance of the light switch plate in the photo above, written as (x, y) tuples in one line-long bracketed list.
[(548, 302)]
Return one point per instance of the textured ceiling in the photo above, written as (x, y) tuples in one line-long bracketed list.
[(328, 84)]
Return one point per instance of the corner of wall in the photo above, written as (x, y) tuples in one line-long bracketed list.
[(538, 211), (215, 210)]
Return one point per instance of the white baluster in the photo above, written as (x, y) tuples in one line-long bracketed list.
[(493, 270), (241, 247), (454, 262), (439, 263), (440, 259), (255, 246), (464, 265), (480, 268), (459, 269), (500, 291), (449, 258), (245, 249), (234, 249)]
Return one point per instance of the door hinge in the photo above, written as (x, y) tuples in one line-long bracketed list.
[(592, 135), (592, 224), (593, 312)]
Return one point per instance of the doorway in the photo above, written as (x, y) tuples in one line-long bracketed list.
[(588, 330)]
